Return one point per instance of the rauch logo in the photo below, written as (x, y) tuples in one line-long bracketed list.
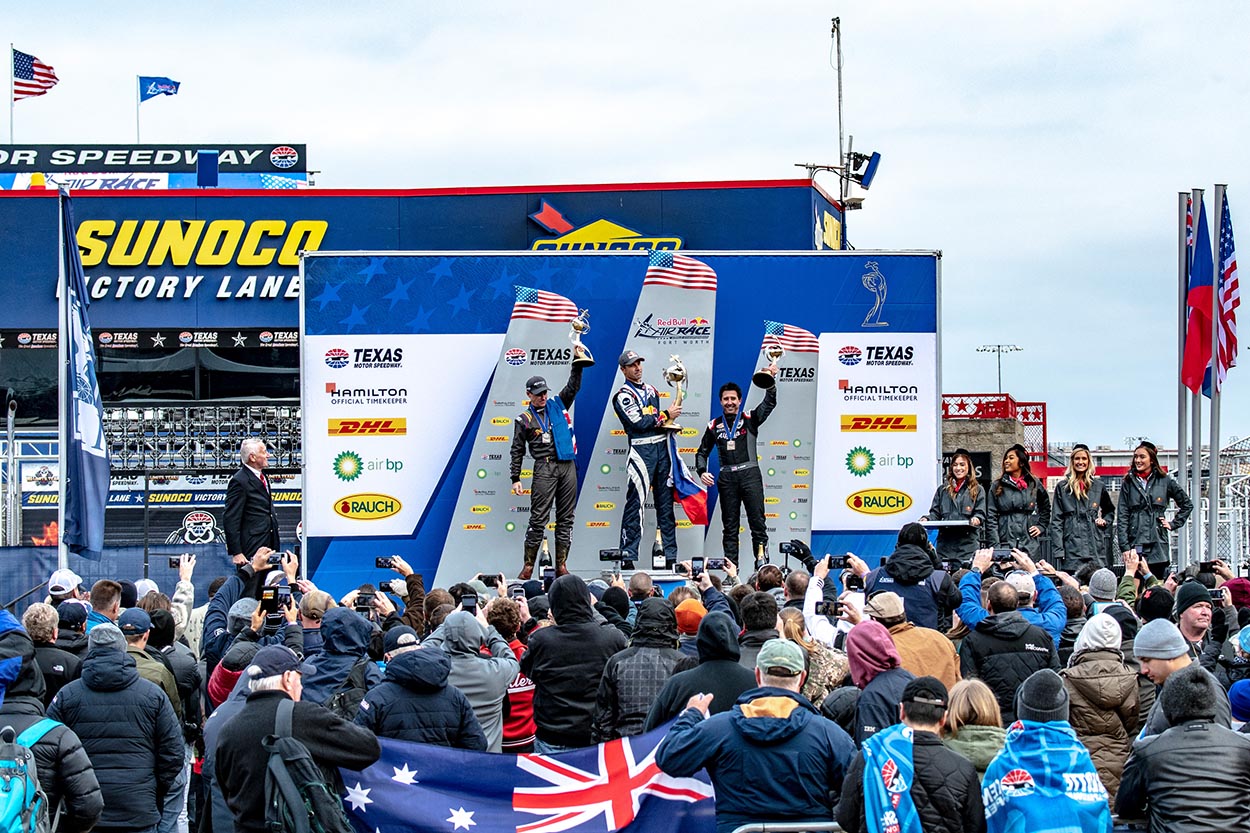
[(366, 507), (879, 501)]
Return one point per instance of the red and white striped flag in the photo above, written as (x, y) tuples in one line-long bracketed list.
[(792, 338), (1230, 297), (31, 76), (668, 269), (538, 305)]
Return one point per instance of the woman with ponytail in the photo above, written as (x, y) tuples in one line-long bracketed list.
[(1081, 519), (1142, 523), (1019, 508), (960, 498)]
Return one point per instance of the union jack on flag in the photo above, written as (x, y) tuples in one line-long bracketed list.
[(538, 305), (668, 269), (611, 787), (793, 339)]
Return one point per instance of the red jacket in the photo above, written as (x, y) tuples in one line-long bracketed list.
[(518, 723)]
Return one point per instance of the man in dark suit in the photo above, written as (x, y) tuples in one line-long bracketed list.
[(249, 519)]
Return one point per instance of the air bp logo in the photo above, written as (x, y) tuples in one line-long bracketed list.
[(860, 461), (348, 466)]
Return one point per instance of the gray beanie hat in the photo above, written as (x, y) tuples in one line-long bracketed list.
[(1042, 697), (106, 635), (1102, 585), (240, 615), (1159, 639)]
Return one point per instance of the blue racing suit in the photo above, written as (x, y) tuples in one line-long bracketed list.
[(648, 467)]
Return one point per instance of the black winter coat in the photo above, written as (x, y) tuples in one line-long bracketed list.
[(1075, 537), (414, 703), (718, 673), (945, 790), (877, 707), (64, 770), (1002, 651), (566, 661), (1014, 511), (929, 594), (128, 729), (633, 677), (958, 542), (73, 642), (58, 666), (1139, 511), (181, 662)]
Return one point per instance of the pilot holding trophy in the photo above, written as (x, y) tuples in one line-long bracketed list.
[(734, 435), (647, 427), (546, 426)]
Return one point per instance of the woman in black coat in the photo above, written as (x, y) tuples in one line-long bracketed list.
[(1019, 508), (1081, 518), (960, 498), (1142, 519)]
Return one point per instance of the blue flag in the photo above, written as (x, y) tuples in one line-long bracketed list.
[(613, 786), (86, 476), (152, 86)]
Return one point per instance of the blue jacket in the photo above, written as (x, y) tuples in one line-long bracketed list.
[(771, 758), (220, 817), (415, 703), (94, 618), (1048, 612), (346, 635)]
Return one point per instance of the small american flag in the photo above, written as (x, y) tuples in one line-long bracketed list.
[(542, 306), (1189, 226), (1230, 297), (31, 76), (794, 339), (668, 269)]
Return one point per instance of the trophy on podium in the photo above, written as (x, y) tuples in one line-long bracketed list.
[(675, 375), (772, 352), (579, 327)]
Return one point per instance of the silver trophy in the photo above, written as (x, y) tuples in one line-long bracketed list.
[(580, 326), (772, 351), (675, 375)]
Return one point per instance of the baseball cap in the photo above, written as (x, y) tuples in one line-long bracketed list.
[(1022, 581), (71, 614), (926, 690), (273, 660), (400, 636), (629, 357), (535, 385), (63, 581), (134, 621), (781, 657), (885, 605)]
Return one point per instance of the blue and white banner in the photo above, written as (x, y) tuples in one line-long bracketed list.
[(152, 86), (86, 482)]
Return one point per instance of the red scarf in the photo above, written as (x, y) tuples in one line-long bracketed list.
[(1020, 482), (959, 484)]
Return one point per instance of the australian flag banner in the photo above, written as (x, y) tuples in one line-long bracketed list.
[(609, 787), (86, 480)]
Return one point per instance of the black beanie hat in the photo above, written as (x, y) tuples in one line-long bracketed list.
[(1155, 603), (618, 600), (1042, 697), (1189, 594)]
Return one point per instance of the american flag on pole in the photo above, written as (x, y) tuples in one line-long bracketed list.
[(792, 338), (1230, 299), (31, 76), (668, 269), (1189, 227), (538, 305)]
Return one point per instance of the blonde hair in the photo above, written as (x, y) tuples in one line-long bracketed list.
[(974, 488), (793, 625), (1079, 485), (972, 704)]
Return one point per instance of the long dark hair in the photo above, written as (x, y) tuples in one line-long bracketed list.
[(1026, 473), (1155, 469)]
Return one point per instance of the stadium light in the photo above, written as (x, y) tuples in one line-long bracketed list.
[(999, 349)]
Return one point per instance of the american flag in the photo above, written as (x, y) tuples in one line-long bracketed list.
[(668, 269), (792, 338), (538, 305), (31, 76), (1230, 298), (1189, 226)]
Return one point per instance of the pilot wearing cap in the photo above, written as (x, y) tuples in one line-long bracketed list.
[(637, 406), (546, 426)]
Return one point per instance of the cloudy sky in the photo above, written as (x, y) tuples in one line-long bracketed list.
[(1040, 146)]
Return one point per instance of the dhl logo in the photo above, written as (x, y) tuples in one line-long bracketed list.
[(204, 243), (501, 421), (798, 485), (598, 524), (878, 422), (474, 527), (617, 432), (688, 450), (395, 427), (480, 509), (604, 506)]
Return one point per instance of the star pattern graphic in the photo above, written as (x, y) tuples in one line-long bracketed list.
[(158, 340), (461, 301), (404, 775), (541, 277), (460, 819), (503, 285), (329, 294), (355, 319), (422, 321), (377, 266), (442, 270), (358, 797), (399, 293), (239, 339)]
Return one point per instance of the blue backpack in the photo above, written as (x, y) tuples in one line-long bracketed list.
[(23, 804)]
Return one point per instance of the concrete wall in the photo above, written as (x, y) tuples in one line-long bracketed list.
[(992, 435)]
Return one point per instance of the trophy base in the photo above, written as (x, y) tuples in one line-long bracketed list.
[(583, 361), (670, 426), (763, 380)]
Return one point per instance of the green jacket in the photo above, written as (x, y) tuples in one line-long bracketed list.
[(979, 744), (152, 670)]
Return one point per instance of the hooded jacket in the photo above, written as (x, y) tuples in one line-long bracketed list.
[(1014, 511), (929, 595), (346, 636), (979, 744), (876, 669), (483, 680), (565, 661), (415, 703), (633, 677), (128, 730), (1103, 709), (771, 758), (1139, 509), (718, 673), (1002, 651), (1075, 537), (72, 642)]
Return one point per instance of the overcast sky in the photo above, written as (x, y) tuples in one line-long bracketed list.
[(1040, 146)]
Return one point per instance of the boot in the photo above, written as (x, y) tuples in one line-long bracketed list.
[(562, 557), (531, 553)]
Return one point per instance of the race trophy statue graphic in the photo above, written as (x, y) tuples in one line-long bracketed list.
[(874, 282)]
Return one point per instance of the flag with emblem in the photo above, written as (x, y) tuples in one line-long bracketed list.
[(610, 787), (668, 269), (793, 339), (31, 76), (1201, 285), (1230, 298), (538, 305), (150, 86)]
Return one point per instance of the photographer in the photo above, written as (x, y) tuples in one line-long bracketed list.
[(929, 595), (343, 666), (1039, 602)]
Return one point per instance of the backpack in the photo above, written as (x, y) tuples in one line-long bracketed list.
[(23, 803), (297, 799), (345, 701)]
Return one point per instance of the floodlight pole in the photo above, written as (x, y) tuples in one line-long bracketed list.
[(837, 41), (999, 349)]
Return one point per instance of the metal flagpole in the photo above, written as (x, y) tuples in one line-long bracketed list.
[(11, 51), (1195, 412), (1213, 484), (1182, 401), (62, 391)]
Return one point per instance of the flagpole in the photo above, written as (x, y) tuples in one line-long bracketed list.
[(138, 100), (62, 354), (1195, 431), (1182, 402), (1213, 485), (11, 51)]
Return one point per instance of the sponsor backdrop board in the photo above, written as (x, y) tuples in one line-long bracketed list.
[(450, 315)]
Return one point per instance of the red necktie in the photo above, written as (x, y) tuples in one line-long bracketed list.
[(264, 482)]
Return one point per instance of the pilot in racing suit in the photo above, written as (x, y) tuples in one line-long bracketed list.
[(638, 408)]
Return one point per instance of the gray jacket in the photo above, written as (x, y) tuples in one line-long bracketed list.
[(1074, 536), (1014, 511), (958, 542), (483, 680), (1140, 510)]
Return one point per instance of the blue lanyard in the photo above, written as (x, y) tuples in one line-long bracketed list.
[(641, 397), (545, 428), (733, 432)]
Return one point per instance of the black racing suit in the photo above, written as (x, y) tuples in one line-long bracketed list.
[(740, 481), (554, 480), (649, 468)]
